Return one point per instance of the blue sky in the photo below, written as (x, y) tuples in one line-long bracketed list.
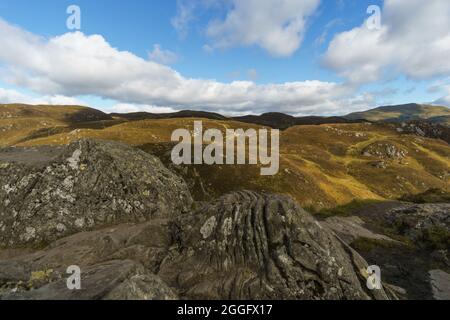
[(240, 67)]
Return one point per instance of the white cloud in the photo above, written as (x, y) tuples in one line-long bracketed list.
[(277, 26), (162, 56), (14, 96), (78, 65), (414, 40), (128, 107), (185, 14), (189, 10)]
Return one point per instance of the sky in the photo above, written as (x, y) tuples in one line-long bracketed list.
[(302, 57)]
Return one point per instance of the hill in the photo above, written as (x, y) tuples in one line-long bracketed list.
[(320, 166), (405, 113), (180, 114), (283, 121), (20, 121)]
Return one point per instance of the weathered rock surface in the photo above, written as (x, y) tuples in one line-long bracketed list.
[(440, 283), (255, 246), (352, 228), (242, 246), (384, 150), (50, 194), (142, 239), (425, 224)]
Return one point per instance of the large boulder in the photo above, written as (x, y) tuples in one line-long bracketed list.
[(243, 246), (50, 192), (247, 245)]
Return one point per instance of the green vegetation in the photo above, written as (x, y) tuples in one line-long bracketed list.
[(346, 210), (429, 196), (367, 245), (407, 112), (435, 238), (321, 166)]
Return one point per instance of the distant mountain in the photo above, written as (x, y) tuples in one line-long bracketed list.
[(405, 113), (180, 114), (72, 114), (274, 120), (283, 121)]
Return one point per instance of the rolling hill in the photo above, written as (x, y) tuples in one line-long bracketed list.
[(19, 122), (321, 166), (405, 113)]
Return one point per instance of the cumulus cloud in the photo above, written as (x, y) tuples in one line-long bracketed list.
[(162, 56), (277, 26), (128, 107), (14, 96), (414, 40), (75, 64), (188, 11)]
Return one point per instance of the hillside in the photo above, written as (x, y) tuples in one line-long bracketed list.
[(19, 121), (171, 115), (405, 113), (320, 166), (283, 121)]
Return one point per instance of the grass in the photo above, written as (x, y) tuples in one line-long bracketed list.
[(346, 210), (320, 166), (367, 245)]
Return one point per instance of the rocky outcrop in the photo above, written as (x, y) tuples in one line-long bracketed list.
[(242, 246), (54, 192), (384, 151), (440, 283), (254, 246), (352, 228), (425, 224), (149, 242), (426, 129)]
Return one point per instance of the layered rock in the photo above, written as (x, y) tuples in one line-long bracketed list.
[(48, 194), (255, 246)]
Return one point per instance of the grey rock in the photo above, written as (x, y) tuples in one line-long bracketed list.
[(120, 279), (440, 283), (422, 223), (83, 186), (255, 246), (242, 246), (351, 228)]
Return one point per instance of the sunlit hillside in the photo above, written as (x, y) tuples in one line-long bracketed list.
[(320, 166)]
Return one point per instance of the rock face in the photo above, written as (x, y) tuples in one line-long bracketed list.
[(440, 283), (425, 224), (255, 246), (384, 151), (352, 228), (84, 185), (149, 241), (242, 246)]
